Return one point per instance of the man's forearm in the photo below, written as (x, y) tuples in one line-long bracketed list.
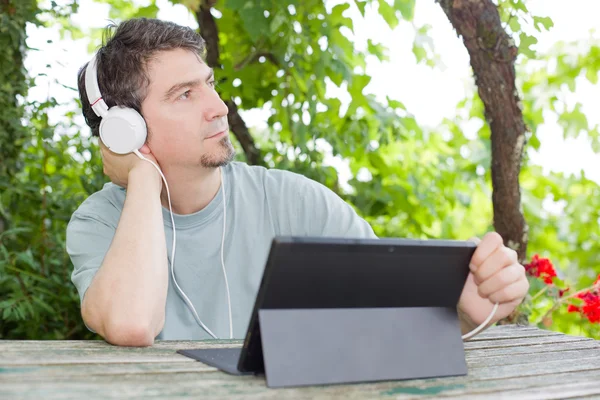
[(126, 301)]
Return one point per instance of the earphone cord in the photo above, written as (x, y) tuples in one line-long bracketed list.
[(222, 259), (185, 298), (475, 331)]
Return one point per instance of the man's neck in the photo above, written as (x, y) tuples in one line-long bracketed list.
[(191, 190)]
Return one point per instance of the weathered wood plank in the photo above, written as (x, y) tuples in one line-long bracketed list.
[(32, 373), (220, 385), (95, 362), (462, 386), (89, 357), (517, 362), (104, 353), (490, 344), (548, 392), (533, 349), (514, 335), (492, 361), (555, 367), (45, 345), (34, 353)]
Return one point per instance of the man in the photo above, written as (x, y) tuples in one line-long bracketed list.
[(120, 237)]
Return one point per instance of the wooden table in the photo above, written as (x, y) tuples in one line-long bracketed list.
[(507, 361)]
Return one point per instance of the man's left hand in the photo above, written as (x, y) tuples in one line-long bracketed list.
[(496, 277)]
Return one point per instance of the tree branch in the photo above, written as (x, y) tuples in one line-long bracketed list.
[(492, 53), (252, 58), (242, 134), (210, 33)]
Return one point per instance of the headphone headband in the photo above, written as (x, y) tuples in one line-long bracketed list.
[(93, 90)]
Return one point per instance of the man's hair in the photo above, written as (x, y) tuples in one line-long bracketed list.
[(123, 59)]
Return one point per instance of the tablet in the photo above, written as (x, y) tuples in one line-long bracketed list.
[(317, 273)]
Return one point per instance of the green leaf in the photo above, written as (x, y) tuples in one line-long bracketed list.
[(357, 85), (514, 24), (147, 12), (237, 5), (361, 6), (377, 50), (254, 22), (278, 20), (592, 75), (525, 44), (573, 122), (545, 22), (44, 305), (336, 14), (406, 8), (388, 13), (395, 104), (519, 5), (419, 52), (534, 142)]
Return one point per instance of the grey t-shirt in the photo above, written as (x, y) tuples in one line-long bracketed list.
[(260, 204)]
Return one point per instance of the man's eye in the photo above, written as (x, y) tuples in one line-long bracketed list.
[(212, 84), (184, 95)]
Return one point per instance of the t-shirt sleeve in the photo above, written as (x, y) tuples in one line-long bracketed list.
[(308, 208), (88, 239)]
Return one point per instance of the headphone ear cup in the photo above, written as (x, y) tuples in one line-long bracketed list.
[(123, 130)]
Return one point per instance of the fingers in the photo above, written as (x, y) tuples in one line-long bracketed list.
[(491, 241), (475, 240), (498, 260), (512, 292), (502, 279)]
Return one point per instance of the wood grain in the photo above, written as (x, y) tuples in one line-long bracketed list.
[(504, 362)]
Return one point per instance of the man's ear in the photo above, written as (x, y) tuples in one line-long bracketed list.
[(145, 149)]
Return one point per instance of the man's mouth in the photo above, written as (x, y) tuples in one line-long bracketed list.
[(218, 134)]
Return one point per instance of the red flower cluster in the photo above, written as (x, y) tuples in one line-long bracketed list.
[(541, 268), (591, 303), (590, 308)]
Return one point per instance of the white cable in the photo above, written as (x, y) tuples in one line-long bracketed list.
[(185, 298), (222, 259), (475, 331)]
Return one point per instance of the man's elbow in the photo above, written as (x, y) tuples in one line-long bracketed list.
[(121, 330), (128, 334)]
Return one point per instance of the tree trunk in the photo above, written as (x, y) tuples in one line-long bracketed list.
[(210, 33), (493, 53)]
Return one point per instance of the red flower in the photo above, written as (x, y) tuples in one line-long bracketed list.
[(590, 308), (541, 268), (573, 308), (561, 292)]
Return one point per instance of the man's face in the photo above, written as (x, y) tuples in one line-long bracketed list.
[(187, 121)]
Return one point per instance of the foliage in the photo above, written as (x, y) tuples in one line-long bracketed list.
[(406, 180), (37, 299), (13, 83), (40, 185)]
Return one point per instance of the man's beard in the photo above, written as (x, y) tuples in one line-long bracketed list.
[(223, 155)]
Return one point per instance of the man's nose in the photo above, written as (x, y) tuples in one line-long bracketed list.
[(216, 107)]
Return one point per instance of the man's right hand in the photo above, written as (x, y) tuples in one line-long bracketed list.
[(118, 166)]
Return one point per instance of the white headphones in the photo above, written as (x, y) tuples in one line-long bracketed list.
[(123, 131)]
